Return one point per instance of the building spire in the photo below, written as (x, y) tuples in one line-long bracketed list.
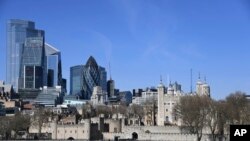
[(110, 72), (161, 79), (191, 81)]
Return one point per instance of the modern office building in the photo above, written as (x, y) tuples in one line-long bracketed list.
[(53, 66), (33, 77), (25, 47), (75, 79), (111, 88), (32, 57), (93, 75)]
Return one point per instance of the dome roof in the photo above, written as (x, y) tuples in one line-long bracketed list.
[(91, 62)]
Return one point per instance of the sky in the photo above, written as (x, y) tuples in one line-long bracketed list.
[(145, 39)]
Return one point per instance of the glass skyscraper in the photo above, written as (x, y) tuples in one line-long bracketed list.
[(75, 80), (83, 78), (53, 66), (93, 75), (22, 35)]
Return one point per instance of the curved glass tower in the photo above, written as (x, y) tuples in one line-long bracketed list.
[(90, 77)]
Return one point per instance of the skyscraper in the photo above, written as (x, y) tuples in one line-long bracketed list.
[(53, 66), (22, 36), (93, 75), (32, 56), (75, 79)]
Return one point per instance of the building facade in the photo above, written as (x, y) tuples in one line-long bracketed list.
[(75, 80), (53, 66), (90, 77), (21, 36)]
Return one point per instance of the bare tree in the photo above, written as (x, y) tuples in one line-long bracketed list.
[(193, 111), (88, 111), (136, 111), (5, 129), (40, 117), (20, 123), (238, 108), (103, 109), (150, 109), (213, 117)]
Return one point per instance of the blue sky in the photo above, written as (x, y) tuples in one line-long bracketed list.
[(143, 39)]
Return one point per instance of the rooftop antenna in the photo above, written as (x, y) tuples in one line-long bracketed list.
[(199, 77), (161, 79), (168, 79), (205, 78), (110, 72), (191, 80)]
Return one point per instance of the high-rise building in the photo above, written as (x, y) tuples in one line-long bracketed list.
[(21, 37), (33, 77), (33, 56), (93, 75), (53, 66), (111, 88), (75, 80)]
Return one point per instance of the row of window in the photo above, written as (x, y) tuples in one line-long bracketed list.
[(168, 103), (70, 131)]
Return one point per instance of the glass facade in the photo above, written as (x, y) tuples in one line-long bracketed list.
[(32, 55), (33, 77), (75, 80), (93, 75), (53, 66), (21, 34)]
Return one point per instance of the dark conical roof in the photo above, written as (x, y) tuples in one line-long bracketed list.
[(91, 62)]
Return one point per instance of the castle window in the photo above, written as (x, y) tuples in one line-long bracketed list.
[(82, 131), (57, 131), (65, 131), (166, 110), (75, 131), (115, 130), (70, 131)]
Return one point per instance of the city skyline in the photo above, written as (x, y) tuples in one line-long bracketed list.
[(145, 39)]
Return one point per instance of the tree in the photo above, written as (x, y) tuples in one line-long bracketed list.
[(150, 111), (214, 117), (5, 129), (88, 111), (136, 110), (40, 117), (20, 123), (103, 109), (193, 111), (238, 108)]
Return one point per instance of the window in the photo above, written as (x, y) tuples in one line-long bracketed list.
[(70, 131), (75, 131), (166, 118), (115, 130), (65, 131), (82, 131), (166, 110), (57, 131)]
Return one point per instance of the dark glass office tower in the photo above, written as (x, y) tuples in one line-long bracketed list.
[(20, 34), (75, 80)]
